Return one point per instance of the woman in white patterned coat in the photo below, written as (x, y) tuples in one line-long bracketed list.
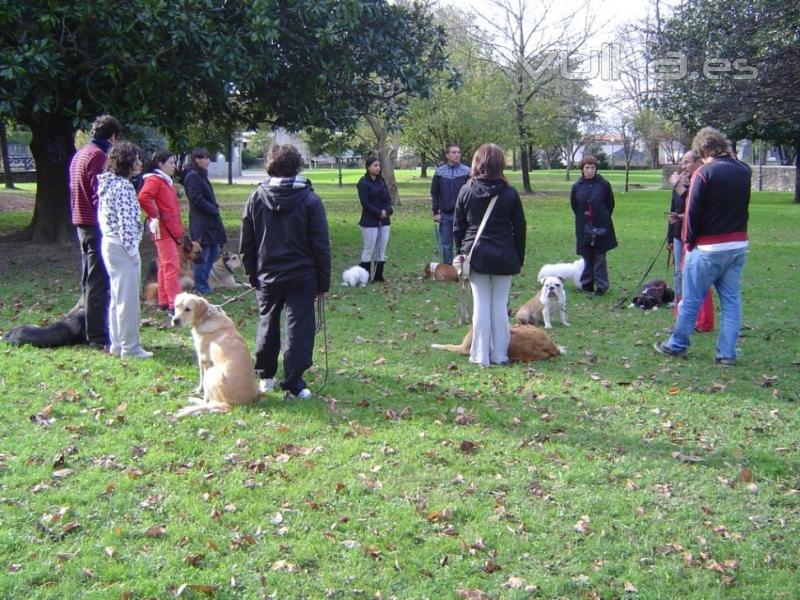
[(118, 214)]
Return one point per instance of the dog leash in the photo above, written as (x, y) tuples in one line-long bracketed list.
[(622, 301), (322, 324), (235, 298)]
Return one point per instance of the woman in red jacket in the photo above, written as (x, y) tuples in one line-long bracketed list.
[(160, 202)]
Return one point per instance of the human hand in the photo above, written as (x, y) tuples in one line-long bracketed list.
[(437, 218), (382, 216)]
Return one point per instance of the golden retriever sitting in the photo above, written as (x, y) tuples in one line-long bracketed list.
[(226, 370), (528, 343), (441, 272)]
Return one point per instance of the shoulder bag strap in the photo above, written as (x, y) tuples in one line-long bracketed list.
[(482, 225)]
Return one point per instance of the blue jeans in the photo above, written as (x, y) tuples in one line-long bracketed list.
[(446, 237), (701, 269), (677, 253), (208, 255)]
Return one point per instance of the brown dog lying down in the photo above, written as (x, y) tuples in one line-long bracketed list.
[(441, 272), (226, 370), (528, 343)]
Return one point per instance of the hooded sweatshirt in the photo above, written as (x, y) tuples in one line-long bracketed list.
[(501, 247), (284, 234)]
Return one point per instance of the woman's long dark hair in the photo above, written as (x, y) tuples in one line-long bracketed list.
[(369, 162)]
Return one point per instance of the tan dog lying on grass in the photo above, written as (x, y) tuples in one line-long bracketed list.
[(226, 370), (528, 343)]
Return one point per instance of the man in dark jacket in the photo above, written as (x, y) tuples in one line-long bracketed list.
[(715, 237), (448, 180), (287, 257)]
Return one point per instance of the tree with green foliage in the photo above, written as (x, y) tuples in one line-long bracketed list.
[(231, 64), (736, 68), (468, 114)]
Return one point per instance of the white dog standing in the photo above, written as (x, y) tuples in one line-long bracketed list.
[(538, 309), (355, 277), (566, 271)]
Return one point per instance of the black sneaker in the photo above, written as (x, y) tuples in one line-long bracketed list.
[(725, 362), (662, 348)]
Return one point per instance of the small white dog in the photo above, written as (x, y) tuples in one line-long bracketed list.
[(355, 277), (565, 271), (538, 309)]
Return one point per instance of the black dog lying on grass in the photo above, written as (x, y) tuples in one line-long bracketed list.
[(652, 294), (65, 332)]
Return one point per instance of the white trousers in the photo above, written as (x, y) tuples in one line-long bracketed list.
[(124, 274), (490, 332), (375, 240)]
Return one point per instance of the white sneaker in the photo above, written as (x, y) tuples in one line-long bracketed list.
[(266, 385), (302, 394), (138, 353)]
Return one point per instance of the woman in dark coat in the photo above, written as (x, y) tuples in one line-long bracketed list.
[(205, 221), (499, 252), (376, 207), (592, 202)]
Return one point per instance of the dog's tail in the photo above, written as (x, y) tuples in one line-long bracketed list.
[(459, 348), (204, 407), (150, 293), (562, 349)]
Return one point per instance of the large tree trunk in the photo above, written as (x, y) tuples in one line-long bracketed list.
[(423, 170), (52, 146), (385, 156), (523, 150), (9, 177), (230, 158)]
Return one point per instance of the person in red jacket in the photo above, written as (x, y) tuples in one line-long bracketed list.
[(160, 203)]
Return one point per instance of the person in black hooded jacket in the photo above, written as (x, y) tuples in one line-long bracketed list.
[(499, 252), (287, 257), (592, 201)]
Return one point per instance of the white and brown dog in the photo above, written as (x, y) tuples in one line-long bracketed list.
[(537, 310), (226, 370), (441, 272), (566, 271)]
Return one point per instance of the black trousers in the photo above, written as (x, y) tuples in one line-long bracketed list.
[(298, 297), (595, 270), (94, 285)]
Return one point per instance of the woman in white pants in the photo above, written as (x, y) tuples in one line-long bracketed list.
[(499, 252), (118, 215), (376, 210)]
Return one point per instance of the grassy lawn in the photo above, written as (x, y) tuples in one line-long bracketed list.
[(609, 472)]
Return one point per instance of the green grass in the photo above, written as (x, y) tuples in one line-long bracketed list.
[(332, 498)]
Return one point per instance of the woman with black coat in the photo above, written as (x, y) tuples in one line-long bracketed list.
[(376, 206), (205, 221), (592, 201), (498, 255)]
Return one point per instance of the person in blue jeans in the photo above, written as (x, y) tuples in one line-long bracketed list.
[(448, 180), (715, 238), (205, 221)]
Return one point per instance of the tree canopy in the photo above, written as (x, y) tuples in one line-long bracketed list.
[(294, 63)]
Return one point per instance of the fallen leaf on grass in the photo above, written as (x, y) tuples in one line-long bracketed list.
[(155, 531), (582, 526), (744, 476), (62, 473), (629, 588), (194, 560), (440, 516), (472, 594), (491, 567), (282, 565), (468, 447), (42, 419), (514, 583), (14, 568), (687, 458)]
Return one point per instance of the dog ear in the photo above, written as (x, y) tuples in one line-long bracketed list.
[(541, 280), (199, 308)]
